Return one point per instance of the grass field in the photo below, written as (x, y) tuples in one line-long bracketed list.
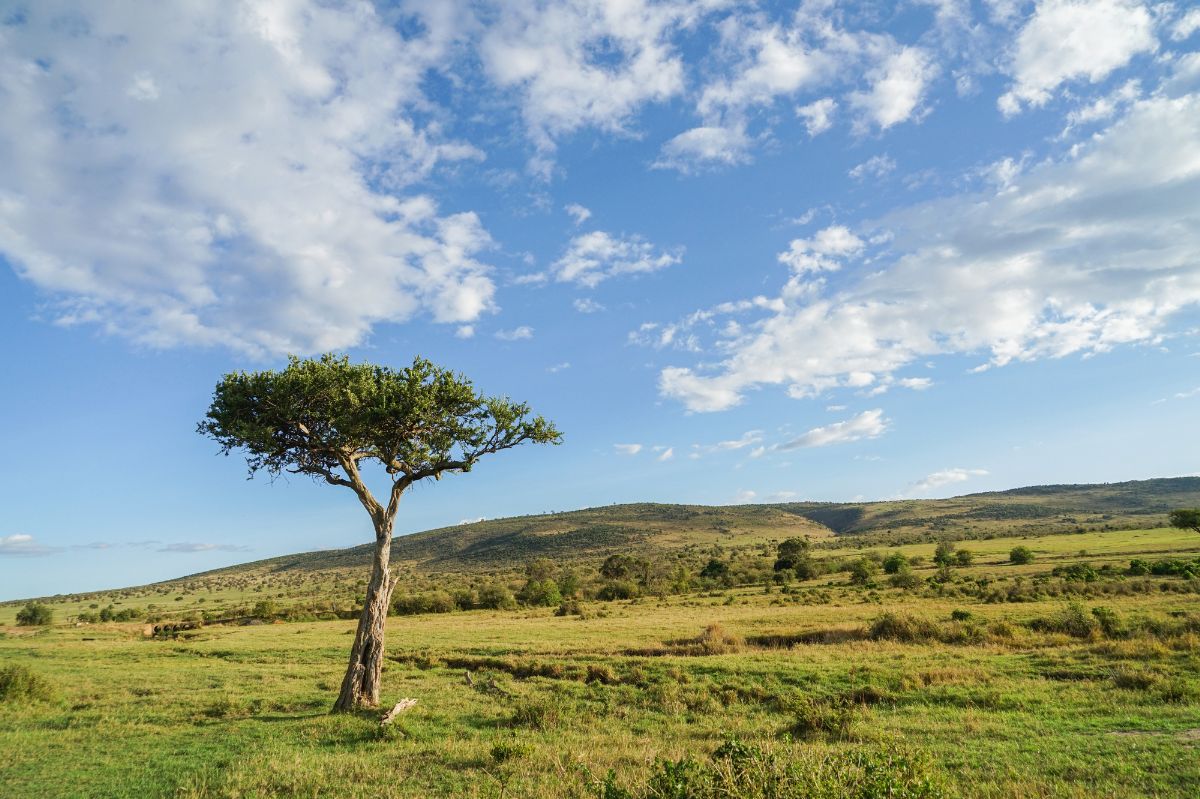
[(953, 696)]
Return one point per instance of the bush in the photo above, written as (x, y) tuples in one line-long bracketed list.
[(715, 640), (1019, 556), (944, 554), (540, 593), (1074, 620), (19, 684), (738, 770), (497, 597), (905, 578), (815, 719), (35, 614), (570, 607), (903, 627), (964, 557), (895, 563), (618, 589), (863, 571)]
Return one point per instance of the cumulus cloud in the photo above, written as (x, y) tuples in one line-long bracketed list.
[(666, 453), (705, 147), (1081, 255), (898, 85), (876, 166), (821, 253), (627, 449), (516, 334), (818, 115), (584, 64), (22, 545), (233, 175), (578, 213), (944, 478), (868, 424), (587, 305), (594, 257), (1068, 40)]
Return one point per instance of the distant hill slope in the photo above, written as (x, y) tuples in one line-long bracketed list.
[(597, 532)]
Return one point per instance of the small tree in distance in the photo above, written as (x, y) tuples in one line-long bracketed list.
[(330, 419), (1186, 519), (35, 614)]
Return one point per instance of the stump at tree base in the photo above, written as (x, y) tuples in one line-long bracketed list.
[(401, 706)]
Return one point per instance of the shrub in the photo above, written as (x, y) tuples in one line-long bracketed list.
[(895, 563), (540, 593), (1074, 620), (903, 627), (905, 578), (737, 770), (829, 719), (1020, 556), (715, 640), (538, 714), (863, 570), (1076, 572), (964, 557), (18, 683), (944, 554), (570, 607), (618, 589), (35, 614), (496, 597)]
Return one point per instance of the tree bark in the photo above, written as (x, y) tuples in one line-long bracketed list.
[(360, 686)]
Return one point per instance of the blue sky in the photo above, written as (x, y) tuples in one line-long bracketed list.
[(737, 251)]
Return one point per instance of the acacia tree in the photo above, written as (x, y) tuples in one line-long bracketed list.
[(330, 419), (1186, 519)]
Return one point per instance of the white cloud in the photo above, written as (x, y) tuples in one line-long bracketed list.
[(516, 334), (1099, 249), (597, 256), (22, 545), (744, 496), (818, 115), (587, 305), (898, 85), (868, 424), (191, 546), (822, 251), (747, 439), (666, 454), (627, 449), (773, 62), (876, 166), (1069, 40), (944, 478), (1186, 25), (558, 367), (464, 331), (705, 147), (584, 64), (578, 213), (210, 174)]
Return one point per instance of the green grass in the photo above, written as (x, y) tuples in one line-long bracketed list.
[(241, 711)]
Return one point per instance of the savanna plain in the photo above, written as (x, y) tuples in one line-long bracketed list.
[(1042, 642)]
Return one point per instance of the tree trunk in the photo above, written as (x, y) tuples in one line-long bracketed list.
[(360, 686)]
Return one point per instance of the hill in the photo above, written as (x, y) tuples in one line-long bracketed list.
[(501, 547)]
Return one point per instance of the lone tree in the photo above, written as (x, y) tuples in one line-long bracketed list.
[(1186, 519), (332, 420)]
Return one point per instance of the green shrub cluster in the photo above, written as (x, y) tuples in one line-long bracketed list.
[(737, 770), (18, 683)]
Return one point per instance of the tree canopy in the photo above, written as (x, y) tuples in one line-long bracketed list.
[(1186, 519), (323, 417)]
